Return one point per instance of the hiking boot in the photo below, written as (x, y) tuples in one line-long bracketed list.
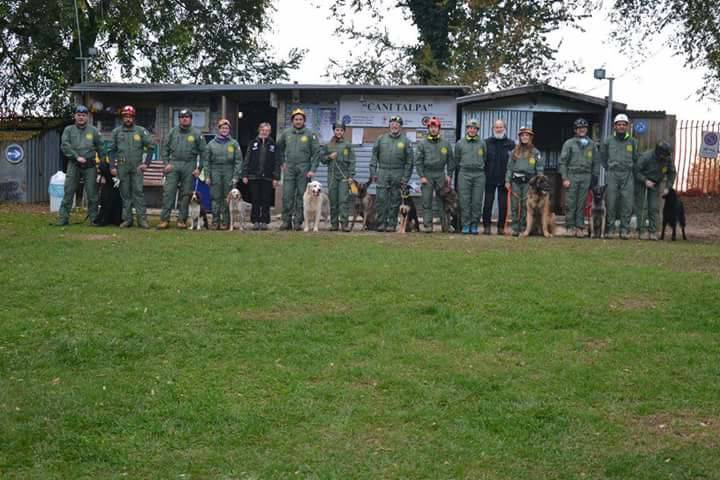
[(345, 227), (570, 232), (181, 224), (624, 236), (298, 227), (225, 227), (125, 224), (486, 230), (286, 226), (652, 236), (334, 228), (142, 223), (263, 226), (391, 229), (256, 226), (579, 233), (501, 230), (515, 233), (380, 228), (62, 223), (163, 225), (215, 226), (427, 229), (466, 230), (474, 229)]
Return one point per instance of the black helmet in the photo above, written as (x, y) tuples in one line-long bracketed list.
[(185, 112), (339, 125), (580, 123), (663, 149)]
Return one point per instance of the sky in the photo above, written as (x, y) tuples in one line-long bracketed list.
[(659, 83)]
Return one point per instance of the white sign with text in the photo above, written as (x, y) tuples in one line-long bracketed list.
[(375, 111)]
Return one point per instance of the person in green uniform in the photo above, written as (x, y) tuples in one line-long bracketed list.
[(299, 151), (619, 156), (338, 154), (654, 167), (184, 155), (391, 165), (432, 159), (128, 144), (525, 162), (579, 164), (81, 144), (470, 154), (224, 160)]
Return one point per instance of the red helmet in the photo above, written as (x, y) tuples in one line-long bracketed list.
[(128, 111), (434, 121)]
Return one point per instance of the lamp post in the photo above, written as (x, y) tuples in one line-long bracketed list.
[(600, 74)]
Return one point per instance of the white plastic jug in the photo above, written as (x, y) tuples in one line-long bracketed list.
[(56, 189)]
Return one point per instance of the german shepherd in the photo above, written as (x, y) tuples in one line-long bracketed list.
[(450, 217), (363, 206), (598, 213), (538, 205)]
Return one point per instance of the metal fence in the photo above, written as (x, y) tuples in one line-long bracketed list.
[(695, 175)]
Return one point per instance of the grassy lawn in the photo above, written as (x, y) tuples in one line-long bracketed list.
[(145, 354)]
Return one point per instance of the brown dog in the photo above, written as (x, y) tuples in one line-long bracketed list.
[(450, 217), (538, 205), (363, 205)]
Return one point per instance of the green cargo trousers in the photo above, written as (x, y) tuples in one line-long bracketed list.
[(339, 193), (131, 191), (575, 198), (647, 202), (72, 182), (620, 198), (294, 183), (181, 174), (471, 188), (220, 185), (518, 206), (436, 181), (388, 198)]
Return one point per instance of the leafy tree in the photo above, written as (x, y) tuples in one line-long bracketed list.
[(471, 42), (146, 40), (690, 27)]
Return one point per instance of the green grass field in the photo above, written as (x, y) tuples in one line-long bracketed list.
[(145, 354)]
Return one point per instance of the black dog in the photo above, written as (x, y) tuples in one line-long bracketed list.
[(673, 213), (408, 213), (598, 212), (109, 199)]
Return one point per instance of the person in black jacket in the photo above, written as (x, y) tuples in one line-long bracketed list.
[(498, 152), (260, 171)]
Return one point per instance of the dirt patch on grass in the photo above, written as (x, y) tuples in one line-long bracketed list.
[(301, 311), (662, 430), (594, 345), (25, 208), (632, 304), (93, 237)]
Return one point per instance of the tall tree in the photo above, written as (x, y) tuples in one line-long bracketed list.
[(690, 27), (216, 41), (472, 42)]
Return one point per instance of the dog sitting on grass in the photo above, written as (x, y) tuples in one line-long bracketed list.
[(538, 206)]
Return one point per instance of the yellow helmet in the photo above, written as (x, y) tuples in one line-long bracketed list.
[(297, 111)]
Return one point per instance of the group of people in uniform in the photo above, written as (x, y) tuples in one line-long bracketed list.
[(483, 169)]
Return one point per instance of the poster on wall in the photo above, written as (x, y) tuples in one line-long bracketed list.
[(318, 118), (375, 111)]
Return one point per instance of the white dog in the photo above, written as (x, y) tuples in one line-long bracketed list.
[(237, 212), (315, 204)]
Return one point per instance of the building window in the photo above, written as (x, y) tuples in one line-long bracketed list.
[(106, 121)]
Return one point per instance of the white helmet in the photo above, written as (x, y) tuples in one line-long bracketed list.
[(621, 118)]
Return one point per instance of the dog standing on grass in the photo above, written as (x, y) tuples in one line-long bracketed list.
[(673, 214), (407, 213), (598, 213), (538, 206), (196, 213), (237, 212), (450, 216), (316, 204)]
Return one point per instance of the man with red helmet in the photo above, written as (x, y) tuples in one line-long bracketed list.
[(128, 145), (431, 162)]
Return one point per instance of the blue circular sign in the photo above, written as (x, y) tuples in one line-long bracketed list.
[(640, 126), (347, 119), (711, 139), (14, 153)]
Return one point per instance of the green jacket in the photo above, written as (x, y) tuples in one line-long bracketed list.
[(392, 153), (344, 164), (528, 164), (433, 156), (299, 147), (82, 142), (185, 145), (127, 145), (619, 155), (470, 154), (649, 168), (576, 159), (223, 153)]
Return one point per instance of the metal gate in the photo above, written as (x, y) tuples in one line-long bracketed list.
[(695, 175)]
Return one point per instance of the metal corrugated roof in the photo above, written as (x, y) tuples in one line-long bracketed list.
[(185, 88), (537, 89)]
